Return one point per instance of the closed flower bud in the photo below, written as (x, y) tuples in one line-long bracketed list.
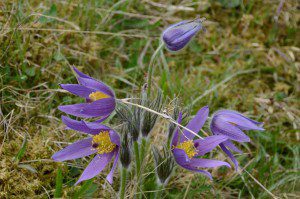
[(125, 152), (131, 116), (176, 109), (164, 164), (148, 119), (178, 35)]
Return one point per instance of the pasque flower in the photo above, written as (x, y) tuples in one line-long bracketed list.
[(104, 142), (231, 124), (178, 35), (100, 99), (186, 150)]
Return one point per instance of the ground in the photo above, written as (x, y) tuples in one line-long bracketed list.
[(247, 60)]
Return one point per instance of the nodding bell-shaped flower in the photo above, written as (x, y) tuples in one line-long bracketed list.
[(178, 35), (232, 124)]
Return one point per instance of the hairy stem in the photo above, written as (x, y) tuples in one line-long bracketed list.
[(123, 182), (151, 66), (143, 149), (159, 191), (137, 158)]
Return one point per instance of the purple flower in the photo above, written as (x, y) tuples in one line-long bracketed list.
[(105, 143), (100, 99), (178, 35), (186, 150), (231, 124)]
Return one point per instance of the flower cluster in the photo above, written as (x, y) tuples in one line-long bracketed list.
[(185, 147)]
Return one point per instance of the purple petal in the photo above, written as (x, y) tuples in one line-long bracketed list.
[(185, 36), (233, 132), (80, 74), (171, 27), (77, 89), (198, 162), (238, 119), (178, 35), (230, 155), (175, 135), (74, 109), (191, 168), (102, 107), (180, 156), (109, 177), (114, 137), (195, 124), (231, 146), (83, 126), (96, 126), (95, 84), (209, 143), (96, 166), (102, 119), (78, 149)]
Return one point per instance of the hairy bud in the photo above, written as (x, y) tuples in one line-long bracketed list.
[(178, 35)]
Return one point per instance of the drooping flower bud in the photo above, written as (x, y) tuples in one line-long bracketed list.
[(233, 124), (178, 35)]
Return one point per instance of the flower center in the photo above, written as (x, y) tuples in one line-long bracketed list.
[(102, 143), (98, 95), (188, 147)]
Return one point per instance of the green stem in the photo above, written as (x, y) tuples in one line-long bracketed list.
[(143, 149), (151, 66), (137, 158), (159, 191), (123, 183)]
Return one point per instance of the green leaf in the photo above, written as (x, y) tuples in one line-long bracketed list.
[(280, 96), (87, 189), (230, 3), (58, 56), (51, 12), (22, 150), (58, 184), (23, 78), (30, 71), (27, 167)]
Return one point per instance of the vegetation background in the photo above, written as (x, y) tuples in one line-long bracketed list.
[(248, 60)]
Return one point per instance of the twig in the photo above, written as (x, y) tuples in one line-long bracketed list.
[(57, 19), (262, 186), (170, 7), (160, 114), (78, 31)]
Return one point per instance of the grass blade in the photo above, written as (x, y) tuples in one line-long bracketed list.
[(58, 184)]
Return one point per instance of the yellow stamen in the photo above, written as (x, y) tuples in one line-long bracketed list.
[(188, 147), (102, 143), (98, 95)]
